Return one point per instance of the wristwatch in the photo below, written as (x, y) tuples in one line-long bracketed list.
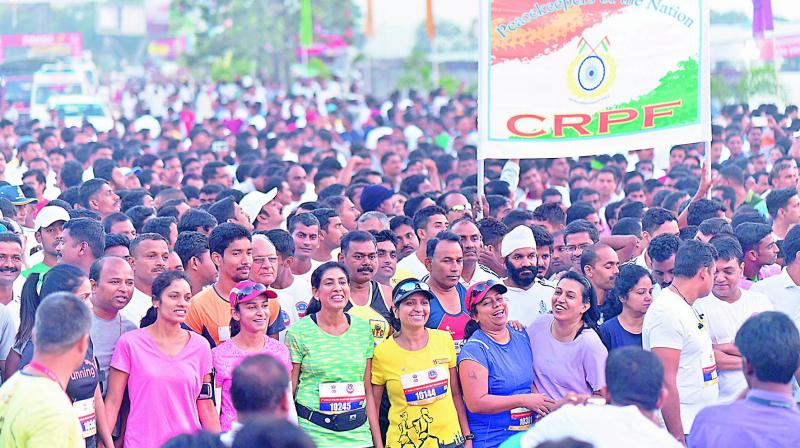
[(469, 437)]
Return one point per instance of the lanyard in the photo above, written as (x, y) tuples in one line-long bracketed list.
[(46, 371), (771, 403)]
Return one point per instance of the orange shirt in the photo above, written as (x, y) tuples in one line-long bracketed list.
[(210, 316)]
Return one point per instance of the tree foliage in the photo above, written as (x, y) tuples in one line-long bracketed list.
[(753, 81), (245, 37)]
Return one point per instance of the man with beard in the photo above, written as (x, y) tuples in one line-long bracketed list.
[(150, 254), (725, 311), (471, 244), (600, 265), (210, 311), (527, 298), (407, 241), (360, 255), (661, 251), (49, 228), (544, 251), (112, 290)]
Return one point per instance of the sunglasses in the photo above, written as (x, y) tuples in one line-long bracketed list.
[(247, 291), (482, 286), (414, 285)]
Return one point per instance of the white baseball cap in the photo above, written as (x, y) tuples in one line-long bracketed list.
[(48, 215), (253, 202), (520, 237)]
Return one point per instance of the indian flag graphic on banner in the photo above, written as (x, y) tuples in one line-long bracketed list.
[(577, 77)]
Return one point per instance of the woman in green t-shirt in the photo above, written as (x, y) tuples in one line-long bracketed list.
[(331, 364)]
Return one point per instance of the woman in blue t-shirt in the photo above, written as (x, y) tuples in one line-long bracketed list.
[(495, 370), (634, 290)]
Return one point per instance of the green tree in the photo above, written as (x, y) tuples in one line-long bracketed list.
[(753, 81), (238, 37)]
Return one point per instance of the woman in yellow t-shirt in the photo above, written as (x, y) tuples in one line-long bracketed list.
[(417, 367)]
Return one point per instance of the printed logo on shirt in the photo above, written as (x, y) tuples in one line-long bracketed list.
[(425, 386), (301, 308), (379, 329), (335, 398), (543, 307), (438, 361), (285, 317)]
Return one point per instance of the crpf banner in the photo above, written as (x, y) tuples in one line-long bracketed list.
[(581, 77)]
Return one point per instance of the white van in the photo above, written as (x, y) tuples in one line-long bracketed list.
[(54, 80), (73, 110)]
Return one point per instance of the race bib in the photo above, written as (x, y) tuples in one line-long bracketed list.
[(335, 398), (709, 370), (84, 411), (425, 386), (521, 419), (224, 333)]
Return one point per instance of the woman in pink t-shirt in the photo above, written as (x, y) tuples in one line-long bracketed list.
[(166, 369), (250, 310)]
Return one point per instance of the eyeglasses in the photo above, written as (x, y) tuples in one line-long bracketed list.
[(460, 208), (572, 249)]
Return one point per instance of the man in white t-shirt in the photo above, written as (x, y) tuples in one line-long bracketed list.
[(527, 298), (294, 291), (676, 333), (724, 311), (634, 392)]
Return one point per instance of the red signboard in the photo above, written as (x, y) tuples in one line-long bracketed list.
[(25, 46)]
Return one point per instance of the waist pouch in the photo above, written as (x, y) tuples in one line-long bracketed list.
[(346, 421)]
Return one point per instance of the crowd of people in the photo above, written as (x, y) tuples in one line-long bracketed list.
[(249, 267)]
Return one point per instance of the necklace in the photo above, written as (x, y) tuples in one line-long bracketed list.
[(699, 317)]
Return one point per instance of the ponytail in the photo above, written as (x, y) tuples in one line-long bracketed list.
[(149, 317), (314, 306), (394, 322), (470, 329), (29, 303)]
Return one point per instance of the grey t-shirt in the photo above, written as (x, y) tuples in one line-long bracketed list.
[(7, 332), (105, 334)]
